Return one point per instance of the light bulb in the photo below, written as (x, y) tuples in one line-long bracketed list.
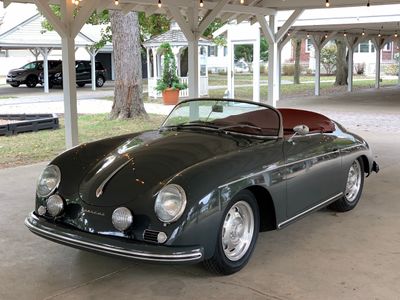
[(201, 3), (327, 4), (116, 2), (159, 4)]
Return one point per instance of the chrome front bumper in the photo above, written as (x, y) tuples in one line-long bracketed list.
[(114, 246)]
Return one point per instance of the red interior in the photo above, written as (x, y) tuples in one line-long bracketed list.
[(315, 122)]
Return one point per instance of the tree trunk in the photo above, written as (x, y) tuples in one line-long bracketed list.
[(341, 65), (297, 69), (128, 96)]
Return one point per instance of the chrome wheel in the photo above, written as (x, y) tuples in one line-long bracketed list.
[(353, 181), (237, 230), (100, 81)]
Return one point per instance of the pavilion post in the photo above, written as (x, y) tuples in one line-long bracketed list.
[(148, 64), (378, 44), (350, 70), (194, 78), (274, 36), (256, 71), (45, 52), (93, 52), (317, 91)]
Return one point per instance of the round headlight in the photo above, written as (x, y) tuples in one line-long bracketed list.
[(170, 203), (122, 218), (55, 205), (48, 181)]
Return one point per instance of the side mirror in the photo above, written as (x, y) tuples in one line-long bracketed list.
[(301, 129)]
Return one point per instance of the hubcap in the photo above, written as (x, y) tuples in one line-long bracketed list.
[(99, 81), (353, 181), (237, 230)]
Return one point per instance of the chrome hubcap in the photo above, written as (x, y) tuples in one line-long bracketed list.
[(237, 230), (353, 181)]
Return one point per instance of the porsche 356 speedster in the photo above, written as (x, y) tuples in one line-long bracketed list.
[(201, 187)]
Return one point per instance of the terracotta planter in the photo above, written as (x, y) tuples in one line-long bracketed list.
[(170, 96)]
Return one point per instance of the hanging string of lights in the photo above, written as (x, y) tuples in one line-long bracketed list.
[(345, 33)]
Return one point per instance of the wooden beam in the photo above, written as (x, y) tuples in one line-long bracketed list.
[(266, 30), (289, 22), (183, 24), (83, 15), (54, 20), (212, 14)]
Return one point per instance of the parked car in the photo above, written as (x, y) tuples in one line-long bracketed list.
[(241, 67), (83, 74), (202, 186), (29, 73)]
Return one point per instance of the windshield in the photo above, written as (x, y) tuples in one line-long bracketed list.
[(229, 116), (31, 66)]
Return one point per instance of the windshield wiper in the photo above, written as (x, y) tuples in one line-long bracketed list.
[(196, 124)]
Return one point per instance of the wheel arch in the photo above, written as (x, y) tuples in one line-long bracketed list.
[(366, 164), (266, 207)]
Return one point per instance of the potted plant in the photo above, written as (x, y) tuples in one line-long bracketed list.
[(169, 83)]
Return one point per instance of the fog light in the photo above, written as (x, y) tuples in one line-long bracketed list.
[(161, 237), (122, 218), (42, 210), (55, 205)]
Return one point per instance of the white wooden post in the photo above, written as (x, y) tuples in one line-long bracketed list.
[(230, 70), (194, 78), (350, 70), (377, 67), (93, 52), (317, 71), (148, 65), (45, 53), (256, 71), (155, 63)]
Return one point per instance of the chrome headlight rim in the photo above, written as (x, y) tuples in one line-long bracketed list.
[(58, 173), (183, 204)]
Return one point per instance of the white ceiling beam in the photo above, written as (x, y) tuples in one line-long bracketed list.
[(183, 24), (212, 14), (289, 22), (54, 20), (83, 15)]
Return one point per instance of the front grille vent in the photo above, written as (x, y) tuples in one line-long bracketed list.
[(150, 236)]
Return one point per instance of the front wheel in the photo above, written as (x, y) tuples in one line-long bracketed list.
[(237, 236), (31, 82), (15, 85), (353, 190), (100, 81)]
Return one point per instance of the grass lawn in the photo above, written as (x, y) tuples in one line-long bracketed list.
[(217, 79), (301, 90), (40, 146)]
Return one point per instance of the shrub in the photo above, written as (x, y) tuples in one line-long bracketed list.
[(288, 69), (392, 69), (359, 68), (328, 58)]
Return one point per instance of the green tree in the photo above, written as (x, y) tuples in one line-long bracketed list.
[(328, 58)]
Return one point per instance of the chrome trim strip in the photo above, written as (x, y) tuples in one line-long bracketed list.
[(309, 210), (101, 187), (178, 257)]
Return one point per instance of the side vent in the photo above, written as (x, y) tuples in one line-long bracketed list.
[(150, 236)]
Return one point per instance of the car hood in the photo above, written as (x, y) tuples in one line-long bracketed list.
[(137, 169), (14, 71)]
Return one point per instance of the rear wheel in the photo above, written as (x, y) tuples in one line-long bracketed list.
[(353, 190), (15, 85), (81, 84), (237, 236), (31, 81)]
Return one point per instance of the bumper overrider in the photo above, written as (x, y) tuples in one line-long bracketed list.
[(110, 245)]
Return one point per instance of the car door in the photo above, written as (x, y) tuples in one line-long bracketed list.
[(81, 72), (313, 167)]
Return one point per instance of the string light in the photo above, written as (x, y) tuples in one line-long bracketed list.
[(288, 34), (116, 2), (159, 4), (326, 35), (368, 4), (363, 32), (241, 1), (308, 35), (344, 33), (395, 35), (201, 3), (327, 4), (379, 34)]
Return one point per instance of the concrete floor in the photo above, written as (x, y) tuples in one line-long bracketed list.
[(354, 255)]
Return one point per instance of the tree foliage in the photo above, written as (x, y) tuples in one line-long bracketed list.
[(328, 58), (245, 52)]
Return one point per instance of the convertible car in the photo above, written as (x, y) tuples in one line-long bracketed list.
[(201, 187)]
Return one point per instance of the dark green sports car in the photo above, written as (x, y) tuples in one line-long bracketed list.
[(202, 186)]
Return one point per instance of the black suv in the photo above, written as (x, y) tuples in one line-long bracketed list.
[(83, 70), (29, 74)]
